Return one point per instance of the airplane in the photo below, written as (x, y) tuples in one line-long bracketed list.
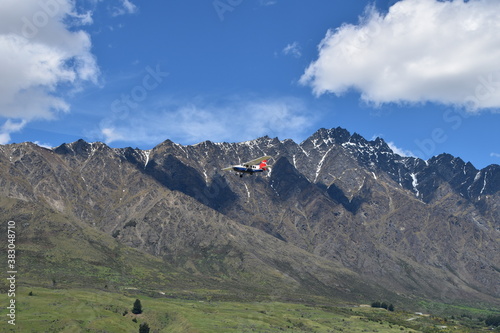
[(251, 167)]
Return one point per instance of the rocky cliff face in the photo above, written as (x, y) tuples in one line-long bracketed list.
[(337, 213)]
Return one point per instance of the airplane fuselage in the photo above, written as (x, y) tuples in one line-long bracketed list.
[(254, 166), (250, 169)]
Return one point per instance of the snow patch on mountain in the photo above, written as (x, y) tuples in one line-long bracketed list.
[(414, 183)]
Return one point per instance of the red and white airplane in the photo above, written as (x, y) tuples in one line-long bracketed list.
[(251, 167)]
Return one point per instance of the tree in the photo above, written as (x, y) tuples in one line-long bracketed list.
[(493, 321), (144, 328), (376, 304), (391, 307), (137, 309)]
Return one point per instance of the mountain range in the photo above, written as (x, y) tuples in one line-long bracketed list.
[(337, 216)]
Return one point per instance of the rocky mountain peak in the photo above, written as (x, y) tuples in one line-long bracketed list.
[(337, 135), (340, 198), (80, 148)]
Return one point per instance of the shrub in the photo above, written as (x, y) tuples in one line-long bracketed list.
[(144, 328), (383, 305), (493, 321), (131, 223)]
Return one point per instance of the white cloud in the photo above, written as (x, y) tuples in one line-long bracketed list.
[(189, 123), (293, 49), (400, 151), (127, 7), (495, 155), (44, 145), (110, 134), (268, 2), (40, 53), (420, 50), (8, 128)]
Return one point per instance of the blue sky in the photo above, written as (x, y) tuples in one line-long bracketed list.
[(422, 74)]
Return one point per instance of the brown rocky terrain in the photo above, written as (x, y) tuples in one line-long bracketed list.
[(337, 216)]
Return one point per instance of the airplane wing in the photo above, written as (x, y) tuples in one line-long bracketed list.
[(256, 161), (228, 168)]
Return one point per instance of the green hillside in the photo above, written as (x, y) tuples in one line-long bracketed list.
[(85, 310), (72, 278)]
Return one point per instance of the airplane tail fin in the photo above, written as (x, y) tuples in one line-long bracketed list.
[(263, 165)]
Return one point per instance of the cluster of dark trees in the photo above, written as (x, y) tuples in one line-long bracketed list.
[(493, 321), (383, 305), (143, 328), (137, 309)]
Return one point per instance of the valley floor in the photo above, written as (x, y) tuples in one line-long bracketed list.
[(82, 310)]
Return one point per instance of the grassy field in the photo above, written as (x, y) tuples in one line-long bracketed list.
[(83, 310)]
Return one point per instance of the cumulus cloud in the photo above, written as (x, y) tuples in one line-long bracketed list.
[(8, 128), (189, 123), (419, 51), (41, 50)]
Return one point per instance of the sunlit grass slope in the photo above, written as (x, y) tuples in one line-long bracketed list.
[(84, 310)]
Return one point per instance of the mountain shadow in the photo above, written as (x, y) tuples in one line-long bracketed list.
[(286, 180), (339, 196), (176, 176)]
